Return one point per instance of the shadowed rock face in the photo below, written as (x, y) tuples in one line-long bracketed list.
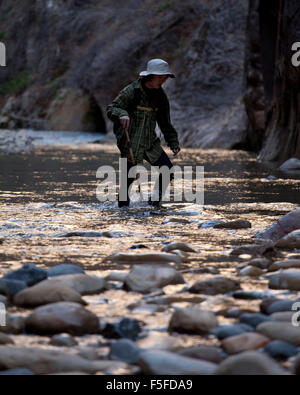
[(279, 26), (78, 55)]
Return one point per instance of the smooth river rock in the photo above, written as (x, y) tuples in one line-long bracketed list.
[(30, 274), (166, 363), (11, 287), (254, 250), (161, 342), (45, 293), (287, 264), (261, 263), (284, 316), (153, 257), (244, 342), (251, 271), (249, 363), (125, 350), (148, 278), (117, 276), (179, 246), (224, 331), (278, 306), (238, 224), (205, 353), (290, 241), (254, 319), (192, 320), (251, 295), (285, 279), (82, 283), (215, 286), (5, 339), (284, 331), (60, 318), (43, 362), (233, 312), (280, 350)]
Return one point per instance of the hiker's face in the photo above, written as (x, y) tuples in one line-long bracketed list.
[(158, 80)]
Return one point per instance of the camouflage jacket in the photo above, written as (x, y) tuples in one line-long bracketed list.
[(143, 112)]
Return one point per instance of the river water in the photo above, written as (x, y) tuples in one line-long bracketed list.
[(51, 191)]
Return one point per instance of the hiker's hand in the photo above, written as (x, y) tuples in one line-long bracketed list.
[(176, 151), (125, 122)]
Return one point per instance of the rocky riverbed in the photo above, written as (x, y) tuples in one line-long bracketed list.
[(185, 289)]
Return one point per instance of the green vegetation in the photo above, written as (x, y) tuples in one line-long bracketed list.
[(164, 4), (15, 85), (2, 35)]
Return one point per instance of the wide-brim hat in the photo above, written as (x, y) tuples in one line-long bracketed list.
[(157, 67)]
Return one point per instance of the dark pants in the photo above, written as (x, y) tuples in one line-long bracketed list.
[(162, 161)]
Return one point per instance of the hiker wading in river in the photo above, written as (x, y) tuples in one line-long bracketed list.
[(135, 112)]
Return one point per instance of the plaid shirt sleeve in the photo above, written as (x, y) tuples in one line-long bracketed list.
[(164, 122), (121, 104)]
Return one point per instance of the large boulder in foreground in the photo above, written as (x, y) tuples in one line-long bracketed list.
[(250, 363), (164, 362), (62, 317), (43, 362)]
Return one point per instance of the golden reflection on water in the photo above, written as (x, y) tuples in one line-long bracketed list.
[(34, 218)]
